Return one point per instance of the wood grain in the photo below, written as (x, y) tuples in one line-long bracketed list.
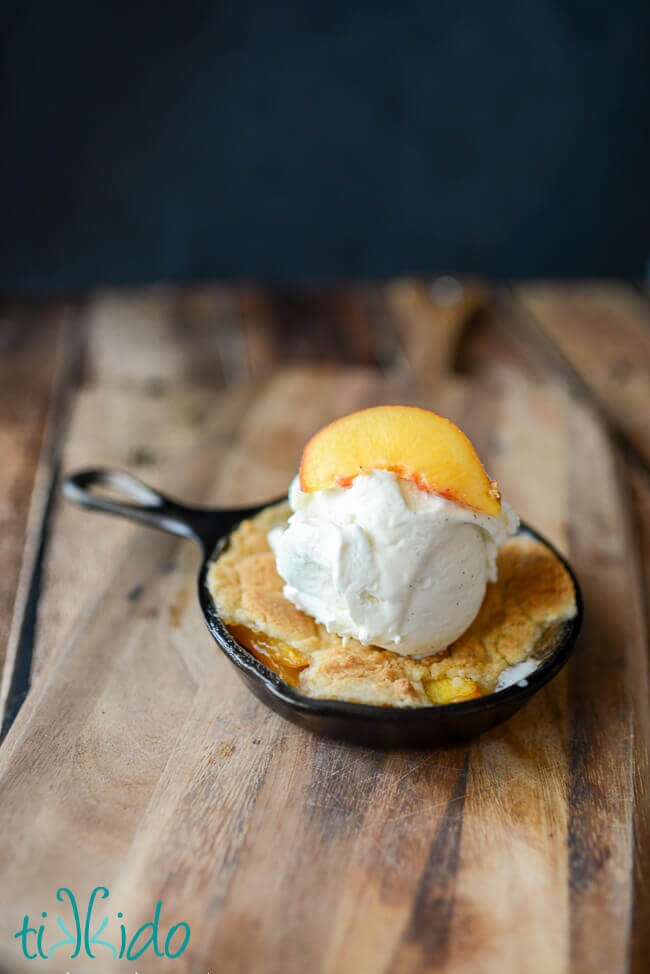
[(140, 761), (603, 330), (124, 429), (143, 396), (144, 568), (603, 746), (285, 326)]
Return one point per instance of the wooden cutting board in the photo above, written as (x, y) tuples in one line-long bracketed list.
[(140, 762)]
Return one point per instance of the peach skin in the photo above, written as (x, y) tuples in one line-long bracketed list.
[(416, 444)]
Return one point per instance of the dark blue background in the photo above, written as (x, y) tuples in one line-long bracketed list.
[(147, 141)]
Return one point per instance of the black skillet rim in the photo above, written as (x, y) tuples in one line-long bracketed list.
[(252, 667)]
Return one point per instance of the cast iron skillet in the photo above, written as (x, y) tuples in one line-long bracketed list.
[(359, 723)]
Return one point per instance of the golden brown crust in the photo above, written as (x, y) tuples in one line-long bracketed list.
[(518, 617)]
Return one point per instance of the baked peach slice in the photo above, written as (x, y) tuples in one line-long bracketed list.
[(416, 444), (451, 689)]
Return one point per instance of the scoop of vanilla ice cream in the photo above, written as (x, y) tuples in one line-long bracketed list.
[(387, 563)]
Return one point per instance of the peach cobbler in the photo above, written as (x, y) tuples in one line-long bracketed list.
[(396, 575)]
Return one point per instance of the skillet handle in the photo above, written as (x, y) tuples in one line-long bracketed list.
[(202, 525)]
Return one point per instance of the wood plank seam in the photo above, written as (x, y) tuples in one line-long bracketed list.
[(16, 675), (639, 940)]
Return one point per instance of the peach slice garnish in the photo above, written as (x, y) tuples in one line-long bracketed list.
[(416, 444)]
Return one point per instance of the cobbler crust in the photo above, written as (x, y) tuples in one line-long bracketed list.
[(519, 617)]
